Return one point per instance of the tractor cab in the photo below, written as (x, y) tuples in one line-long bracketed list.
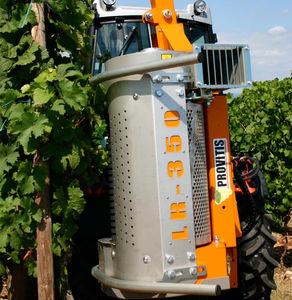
[(121, 30)]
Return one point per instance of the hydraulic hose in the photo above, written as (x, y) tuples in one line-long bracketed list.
[(253, 215), (253, 172)]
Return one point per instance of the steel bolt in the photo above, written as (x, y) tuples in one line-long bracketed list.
[(246, 48), (113, 253), (216, 239), (171, 274), (149, 16), (249, 83), (191, 256), (169, 259), (136, 96), (146, 259), (180, 77), (157, 78), (199, 83), (193, 271), (167, 13), (181, 92), (159, 93)]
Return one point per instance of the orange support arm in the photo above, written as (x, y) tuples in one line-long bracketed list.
[(170, 35)]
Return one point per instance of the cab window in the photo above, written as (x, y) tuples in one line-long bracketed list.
[(119, 39), (195, 34)]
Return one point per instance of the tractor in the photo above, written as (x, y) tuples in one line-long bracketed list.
[(186, 212)]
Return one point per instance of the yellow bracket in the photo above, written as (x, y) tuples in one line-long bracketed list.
[(170, 35)]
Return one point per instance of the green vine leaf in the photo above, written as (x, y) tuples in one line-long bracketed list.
[(8, 156), (263, 127), (31, 126), (51, 114), (76, 199), (73, 94), (43, 94)]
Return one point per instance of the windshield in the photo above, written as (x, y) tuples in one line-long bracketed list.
[(118, 39), (195, 34)]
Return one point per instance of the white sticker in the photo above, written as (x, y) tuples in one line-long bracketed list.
[(223, 190)]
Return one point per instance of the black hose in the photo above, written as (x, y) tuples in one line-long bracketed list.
[(253, 208), (253, 172)]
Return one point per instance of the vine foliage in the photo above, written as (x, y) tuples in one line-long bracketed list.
[(49, 112), (260, 123)]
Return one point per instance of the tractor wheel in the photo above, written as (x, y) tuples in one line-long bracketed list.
[(256, 262), (255, 248)]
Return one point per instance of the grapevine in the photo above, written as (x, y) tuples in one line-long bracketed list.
[(49, 113)]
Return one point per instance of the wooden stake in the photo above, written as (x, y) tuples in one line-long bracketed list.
[(38, 32), (45, 267)]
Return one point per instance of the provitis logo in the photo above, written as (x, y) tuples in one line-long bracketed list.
[(222, 177)]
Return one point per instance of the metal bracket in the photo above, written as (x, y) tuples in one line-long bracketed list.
[(185, 274), (200, 98), (170, 77)]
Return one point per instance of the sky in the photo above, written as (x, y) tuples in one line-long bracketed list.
[(266, 25)]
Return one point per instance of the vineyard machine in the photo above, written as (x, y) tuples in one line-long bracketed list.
[(186, 212)]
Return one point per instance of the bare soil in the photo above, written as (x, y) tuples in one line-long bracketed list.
[(283, 279), (3, 294)]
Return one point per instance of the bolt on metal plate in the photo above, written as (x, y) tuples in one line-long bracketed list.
[(180, 78), (146, 259), (191, 256), (167, 13), (171, 274), (157, 78), (136, 96), (169, 259), (159, 93)]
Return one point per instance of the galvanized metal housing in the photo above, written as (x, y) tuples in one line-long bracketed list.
[(160, 192)]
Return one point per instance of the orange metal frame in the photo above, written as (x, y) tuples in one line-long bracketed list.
[(170, 35), (220, 256), (224, 214)]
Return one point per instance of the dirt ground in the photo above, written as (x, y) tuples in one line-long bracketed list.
[(283, 279), (3, 294)]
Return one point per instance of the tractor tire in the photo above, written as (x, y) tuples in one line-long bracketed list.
[(256, 262)]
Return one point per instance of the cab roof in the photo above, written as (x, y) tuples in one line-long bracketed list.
[(131, 11)]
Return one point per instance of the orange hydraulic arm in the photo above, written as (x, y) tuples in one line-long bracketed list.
[(170, 35)]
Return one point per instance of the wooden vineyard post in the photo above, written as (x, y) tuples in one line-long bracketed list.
[(45, 268)]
